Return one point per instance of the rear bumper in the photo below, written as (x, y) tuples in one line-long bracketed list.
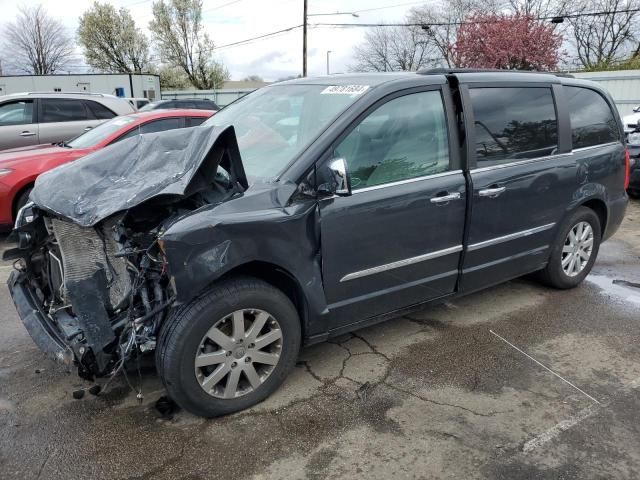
[(617, 209), (43, 332)]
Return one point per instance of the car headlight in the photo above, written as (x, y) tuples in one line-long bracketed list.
[(633, 138), (5, 171), (25, 215)]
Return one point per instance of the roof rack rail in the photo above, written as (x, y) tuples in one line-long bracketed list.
[(450, 71), (67, 93)]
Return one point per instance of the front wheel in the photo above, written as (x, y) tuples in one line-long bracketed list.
[(575, 250), (230, 348)]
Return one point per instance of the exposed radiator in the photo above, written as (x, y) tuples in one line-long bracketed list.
[(84, 253)]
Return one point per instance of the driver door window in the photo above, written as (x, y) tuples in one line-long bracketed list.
[(402, 139)]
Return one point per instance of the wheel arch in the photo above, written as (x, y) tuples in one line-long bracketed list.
[(17, 195), (600, 208), (278, 277)]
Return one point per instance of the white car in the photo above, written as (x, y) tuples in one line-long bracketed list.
[(35, 118)]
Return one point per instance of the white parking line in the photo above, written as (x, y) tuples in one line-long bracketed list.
[(572, 421), (545, 367), (560, 427)]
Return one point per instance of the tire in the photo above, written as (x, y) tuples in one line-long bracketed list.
[(190, 333), (557, 276), (22, 201)]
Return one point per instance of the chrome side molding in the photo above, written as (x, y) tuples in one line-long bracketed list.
[(401, 263), (511, 236)]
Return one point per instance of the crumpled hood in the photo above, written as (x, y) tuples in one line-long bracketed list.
[(135, 170)]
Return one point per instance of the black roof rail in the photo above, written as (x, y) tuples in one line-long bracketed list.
[(452, 71)]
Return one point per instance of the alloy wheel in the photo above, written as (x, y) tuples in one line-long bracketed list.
[(577, 249), (238, 353)]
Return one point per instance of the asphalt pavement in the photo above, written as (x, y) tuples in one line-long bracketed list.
[(516, 382)]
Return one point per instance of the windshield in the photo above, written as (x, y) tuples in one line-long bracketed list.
[(275, 124), (97, 134)]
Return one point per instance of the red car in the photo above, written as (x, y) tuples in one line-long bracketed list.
[(19, 167)]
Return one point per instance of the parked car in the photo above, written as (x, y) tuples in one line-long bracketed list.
[(138, 103), (632, 135), (19, 168), (228, 246), (36, 118), (199, 103)]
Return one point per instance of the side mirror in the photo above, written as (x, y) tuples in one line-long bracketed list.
[(340, 183)]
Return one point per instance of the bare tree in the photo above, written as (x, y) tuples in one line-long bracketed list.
[(442, 20), (602, 40), (387, 49), (36, 43), (540, 8), (182, 42)]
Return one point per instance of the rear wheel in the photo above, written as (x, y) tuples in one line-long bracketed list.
[(230, 348), (575, 250)]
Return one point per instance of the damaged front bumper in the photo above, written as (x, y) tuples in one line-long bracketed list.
[(45, 334)]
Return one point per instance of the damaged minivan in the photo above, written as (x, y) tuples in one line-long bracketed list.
[(308, 209)]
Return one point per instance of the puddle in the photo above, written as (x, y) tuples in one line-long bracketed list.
[(615, 287)]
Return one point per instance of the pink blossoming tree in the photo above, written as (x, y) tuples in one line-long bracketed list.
[(507, 42)]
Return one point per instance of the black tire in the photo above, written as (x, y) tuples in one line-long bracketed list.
[(181, 335), (553, 274), (22, 201)]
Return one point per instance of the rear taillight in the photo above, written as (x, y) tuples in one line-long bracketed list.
[(627, 169)]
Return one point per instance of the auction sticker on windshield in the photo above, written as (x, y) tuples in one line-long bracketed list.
[(345, 90)]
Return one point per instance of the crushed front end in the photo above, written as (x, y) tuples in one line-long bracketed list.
[(89, 296)]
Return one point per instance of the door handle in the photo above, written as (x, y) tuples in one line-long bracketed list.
[(87, 129), (446, 198), (492, 192), (27, 134)]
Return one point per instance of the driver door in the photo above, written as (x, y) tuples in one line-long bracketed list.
[(397, 239)]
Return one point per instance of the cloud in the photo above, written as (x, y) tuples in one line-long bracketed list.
[(271, 58)]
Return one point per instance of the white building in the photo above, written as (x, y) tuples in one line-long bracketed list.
[(119, 84), (623, 85)]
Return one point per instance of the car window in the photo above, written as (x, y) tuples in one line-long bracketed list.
[(162, 125), (592, 121), (62, 110), (131, 133), (402, 139), (271, 138), (100, 132), (195, 121), (513, 123), (206, 105), (99, 111), (19, 112)]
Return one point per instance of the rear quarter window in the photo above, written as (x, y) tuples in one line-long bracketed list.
[(513, 123), (99, 111), (592, 120)]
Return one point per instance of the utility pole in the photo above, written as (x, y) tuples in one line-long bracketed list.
[(304, 40), (328, 52)]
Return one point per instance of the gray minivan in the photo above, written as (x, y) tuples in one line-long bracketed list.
[(252, 237), (36, 118)]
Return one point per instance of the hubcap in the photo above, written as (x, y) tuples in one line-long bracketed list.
[(238, 353), (577, 249)]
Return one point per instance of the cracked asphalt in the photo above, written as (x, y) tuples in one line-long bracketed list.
[(457, 390)]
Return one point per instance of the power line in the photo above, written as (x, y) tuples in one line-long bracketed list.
[(449, 24), (218, 7), (387, 7), (266, 35)]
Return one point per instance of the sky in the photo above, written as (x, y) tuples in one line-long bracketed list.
[(229, 21)]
